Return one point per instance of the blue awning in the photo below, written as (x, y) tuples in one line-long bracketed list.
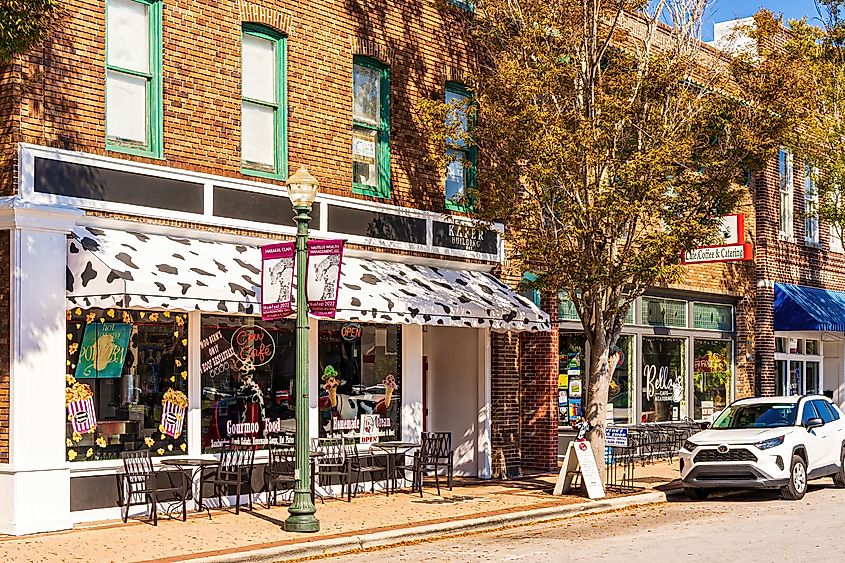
[(808, 308)]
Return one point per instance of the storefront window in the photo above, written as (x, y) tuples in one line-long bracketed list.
[(571, 375), (622, 382), (664, 376), (812, 377), (248, 368), (126, 383), (712, 377), (360, 380)]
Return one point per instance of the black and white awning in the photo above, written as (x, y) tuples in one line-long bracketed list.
[(112, 268)]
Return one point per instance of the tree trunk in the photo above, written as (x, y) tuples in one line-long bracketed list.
[(595, 408)]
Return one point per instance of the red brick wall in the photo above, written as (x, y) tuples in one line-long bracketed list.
[(63, 104), (786, 261), (539, 416), (506, 401)]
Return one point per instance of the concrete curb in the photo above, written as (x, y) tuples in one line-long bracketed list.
[(331, 546)]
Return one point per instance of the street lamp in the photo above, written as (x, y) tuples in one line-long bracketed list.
[(302, 189)]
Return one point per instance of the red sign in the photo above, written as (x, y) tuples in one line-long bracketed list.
[(733, 247), (277, 265), (324, 261)]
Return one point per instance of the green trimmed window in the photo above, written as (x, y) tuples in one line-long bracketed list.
[(370, 128), (263, 102), (460, 172), (464, 4), (133, 77)]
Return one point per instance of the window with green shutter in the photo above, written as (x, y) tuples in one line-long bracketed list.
[(370, 128), (460, 172), (263, 102), (133, 77)]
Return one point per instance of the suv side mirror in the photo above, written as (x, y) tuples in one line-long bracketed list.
[(813, 423), (704, 425)]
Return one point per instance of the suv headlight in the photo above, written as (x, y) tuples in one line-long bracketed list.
[(689, 446), (770, 443)]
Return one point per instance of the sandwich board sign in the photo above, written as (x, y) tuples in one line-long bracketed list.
[(579, 459)]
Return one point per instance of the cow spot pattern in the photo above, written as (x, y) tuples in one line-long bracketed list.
[(112, 268)]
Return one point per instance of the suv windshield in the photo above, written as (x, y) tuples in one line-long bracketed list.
[(767, 415)]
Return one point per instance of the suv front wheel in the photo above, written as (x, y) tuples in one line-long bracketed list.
[(797, 486)]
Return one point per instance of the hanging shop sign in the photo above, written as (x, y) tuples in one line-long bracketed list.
[(579, 459), (277, 267), (732, 248), (103, 350), (253, 345), (215, 353), (323, 279)]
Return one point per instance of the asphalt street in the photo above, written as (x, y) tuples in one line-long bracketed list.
[(751, 526)]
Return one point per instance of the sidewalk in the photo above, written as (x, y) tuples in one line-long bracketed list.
[(369, 520)]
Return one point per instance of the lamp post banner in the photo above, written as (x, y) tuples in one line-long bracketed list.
[(324, 261), (276, 280)]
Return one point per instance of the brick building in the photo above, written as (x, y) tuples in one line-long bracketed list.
[(142, 163)]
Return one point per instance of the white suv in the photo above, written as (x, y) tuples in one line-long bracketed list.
[(763, 443)]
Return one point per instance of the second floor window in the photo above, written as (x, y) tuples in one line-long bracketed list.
[(811, 206), (370, 128), (133, 76), (460, 173), (785, 192), (263, 96)]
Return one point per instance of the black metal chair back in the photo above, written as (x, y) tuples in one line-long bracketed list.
[(137, 468), (235, 460), (333, 450), (440, 444), (282, 459)]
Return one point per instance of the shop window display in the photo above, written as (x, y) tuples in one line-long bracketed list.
[(360, 380), (248, 372), (571, 376), (712, 377), (126, 383), (664, 377), (622, 382)]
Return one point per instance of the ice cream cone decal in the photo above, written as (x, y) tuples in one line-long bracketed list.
[(390, 386), (330, 384)]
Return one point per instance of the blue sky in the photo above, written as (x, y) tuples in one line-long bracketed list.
[(732, 9)]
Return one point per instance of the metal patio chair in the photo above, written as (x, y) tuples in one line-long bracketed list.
[(280, 470), (234, 470), (140, 481)]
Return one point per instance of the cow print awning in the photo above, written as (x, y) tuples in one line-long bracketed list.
[(111, 268)]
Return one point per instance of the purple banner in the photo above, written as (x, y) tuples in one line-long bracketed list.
[(277, 268), (324, 261)]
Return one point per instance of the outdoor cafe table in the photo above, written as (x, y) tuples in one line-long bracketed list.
[(195, 466), (393, 449)]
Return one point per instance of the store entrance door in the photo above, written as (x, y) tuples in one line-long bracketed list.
[(452, 391)]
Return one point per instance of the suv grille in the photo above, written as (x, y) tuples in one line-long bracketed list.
[(711, 455)]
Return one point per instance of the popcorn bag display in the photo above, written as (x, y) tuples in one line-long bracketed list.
[(174, 403), (79, 400)]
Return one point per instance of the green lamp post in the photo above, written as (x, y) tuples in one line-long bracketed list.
[(302, 189)]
